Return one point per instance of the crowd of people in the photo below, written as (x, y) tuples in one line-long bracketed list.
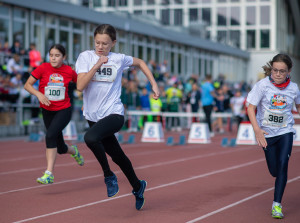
[(178, 94)]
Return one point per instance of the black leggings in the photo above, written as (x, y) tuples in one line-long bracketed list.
[(55, 122), (277, 155), (100, 139), (207, 111)]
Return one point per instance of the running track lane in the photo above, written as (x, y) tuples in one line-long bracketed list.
[(183, 185)]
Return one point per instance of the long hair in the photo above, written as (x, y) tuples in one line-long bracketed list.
[(278, 58)]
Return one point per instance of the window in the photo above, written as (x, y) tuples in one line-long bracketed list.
[(19, 26), (122, 2), (77, 46), (151, 12), (265, 15), (137, 12), (150, 2), (97, 3), (251, 15), (111, 3), (4, 23), (265, 38), (235, 38), (222, 16), (221, 36), (193, 15), (137, 2), (165, 2), (235, 16), (165, 17), (250, 39), (206, 15), (178, 17)]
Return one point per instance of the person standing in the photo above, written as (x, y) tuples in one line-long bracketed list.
[(207, 99), (274, 97), (99, 77), (54, 78)]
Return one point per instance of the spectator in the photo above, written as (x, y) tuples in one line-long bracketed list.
[(145, 106), (219, 108), (133, 102), (207, 99), (173, 106), (17, 49), (237, 104), (35, 58), (193, 99), (13, 65)]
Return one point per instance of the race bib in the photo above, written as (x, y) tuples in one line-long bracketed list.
[(55, 93), (274, 119), (106, 73)]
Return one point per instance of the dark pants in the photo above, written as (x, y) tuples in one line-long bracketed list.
[(100, 139), (55, 122), (207, 111), (277, 155)]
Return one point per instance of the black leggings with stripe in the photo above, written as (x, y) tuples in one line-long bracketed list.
[(277, 155), (100, 138)]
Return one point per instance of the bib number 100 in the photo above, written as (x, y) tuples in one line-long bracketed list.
[(274, 118), (53, 92)]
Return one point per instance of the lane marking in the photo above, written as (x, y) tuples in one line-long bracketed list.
[(150, 189), (237, 203), (116, 172)]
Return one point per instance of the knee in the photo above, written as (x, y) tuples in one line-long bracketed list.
[(89, 139), (62, 149)]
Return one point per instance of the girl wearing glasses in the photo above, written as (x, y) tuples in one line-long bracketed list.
[(274, 97)]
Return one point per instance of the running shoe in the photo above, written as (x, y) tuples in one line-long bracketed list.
[(78, 157), (46, 179), (277, 212), (112, 185), (139, 196)]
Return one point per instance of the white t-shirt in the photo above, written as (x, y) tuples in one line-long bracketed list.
[(237, 105), (274, 106), (101, 97)]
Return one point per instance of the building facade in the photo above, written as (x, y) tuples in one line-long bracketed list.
[(46, 22), (262, 27)]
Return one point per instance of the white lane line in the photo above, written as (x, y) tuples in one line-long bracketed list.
[(237, 203), (116, 172), (152, 188)]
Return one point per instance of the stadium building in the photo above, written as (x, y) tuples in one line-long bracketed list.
[(235, 37)]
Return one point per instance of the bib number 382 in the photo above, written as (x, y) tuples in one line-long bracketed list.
[(274, 119)]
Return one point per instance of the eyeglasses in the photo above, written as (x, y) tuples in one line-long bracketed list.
[(282, 72)]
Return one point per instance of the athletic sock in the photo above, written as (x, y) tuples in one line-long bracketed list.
[(275, 204), (48, 172)]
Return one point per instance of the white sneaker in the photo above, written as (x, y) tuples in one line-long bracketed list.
[(212, 134)]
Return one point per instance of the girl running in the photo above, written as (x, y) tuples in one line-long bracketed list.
[(99, 77), (274, 97), (53, 96)]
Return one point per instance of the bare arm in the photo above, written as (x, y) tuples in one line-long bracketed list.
[(259, 133), (83, 79), (29, 87), (144, 68), (298, 108)]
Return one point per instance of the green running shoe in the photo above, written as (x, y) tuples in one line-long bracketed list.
[(46, 179), (277, 212), (78, 157)]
